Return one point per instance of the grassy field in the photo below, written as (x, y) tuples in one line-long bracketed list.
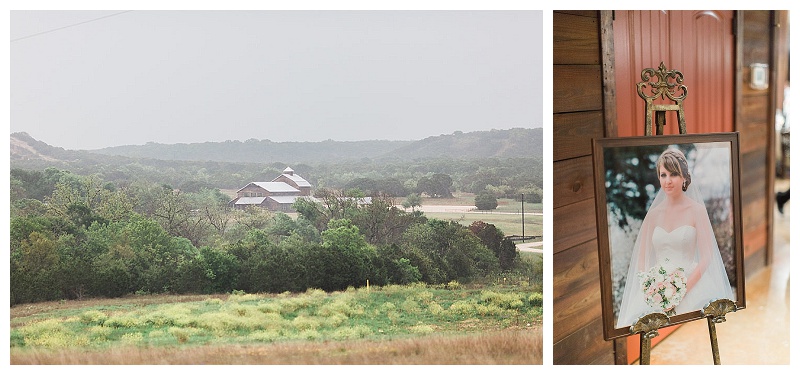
[(468, 199), (507, 216), (510, 224), (416, 324)]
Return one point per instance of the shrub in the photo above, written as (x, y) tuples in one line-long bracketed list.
[(132, 338), (99, 333), (462, 307), (303, 323), (511, 301), (485, 200), (410, 305), (536, 299), (181, 334), (123, 321), (93, 317), (435, 308)]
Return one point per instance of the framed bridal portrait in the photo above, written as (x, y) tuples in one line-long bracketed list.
[(669, 226)]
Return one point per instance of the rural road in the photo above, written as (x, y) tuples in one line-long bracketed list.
[(535, 247), (465, 209)]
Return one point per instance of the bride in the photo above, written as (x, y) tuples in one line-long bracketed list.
[(676, 266)]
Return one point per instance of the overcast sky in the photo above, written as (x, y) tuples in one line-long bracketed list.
[(92, 79)]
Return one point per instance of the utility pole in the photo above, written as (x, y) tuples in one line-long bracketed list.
[(523, 217)]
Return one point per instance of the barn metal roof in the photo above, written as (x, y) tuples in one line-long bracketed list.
[(284, 199), (250, 200), (274, 187), (297, 180)]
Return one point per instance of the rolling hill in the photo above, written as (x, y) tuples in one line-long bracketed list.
[(515, 143)]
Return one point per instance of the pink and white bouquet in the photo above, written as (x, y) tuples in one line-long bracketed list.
[(663, 289)]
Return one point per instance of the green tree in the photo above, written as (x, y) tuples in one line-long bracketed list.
[(392, 268), (34, 270), (209, 271), (413, 200), (489, 234), (444, 251), (312, 211), (437, 185), (380, 221), (508, 254), (485, 201), (88, 198), (213, 207), (36, 184), (344, 259), (532, 194)]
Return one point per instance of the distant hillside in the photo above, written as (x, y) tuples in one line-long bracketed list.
[(511, 158), (516, 142), (27, 152), (25, 148), (513, 143), (253, 150)]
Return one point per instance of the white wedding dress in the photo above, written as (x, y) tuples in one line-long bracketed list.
[(676, 249), (686, 247)]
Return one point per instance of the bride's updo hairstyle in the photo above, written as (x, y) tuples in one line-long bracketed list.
[(674, 161)]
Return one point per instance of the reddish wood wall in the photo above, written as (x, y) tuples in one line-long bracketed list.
[(699, 44)]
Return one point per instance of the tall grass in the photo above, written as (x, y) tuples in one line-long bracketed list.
[(508, 347), (376, 314)]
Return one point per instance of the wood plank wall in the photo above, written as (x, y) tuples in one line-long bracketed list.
[(578, 117), (756, 128)]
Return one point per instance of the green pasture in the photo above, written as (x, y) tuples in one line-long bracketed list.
[(364, 313), (510, 224)]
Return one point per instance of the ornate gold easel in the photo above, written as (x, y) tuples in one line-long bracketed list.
[(669, 84), (715, 313), (647, 328), (673, 90)]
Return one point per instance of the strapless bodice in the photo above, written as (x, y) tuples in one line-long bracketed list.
[(676, 247)]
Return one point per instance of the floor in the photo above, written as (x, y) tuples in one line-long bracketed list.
[(760, 333)]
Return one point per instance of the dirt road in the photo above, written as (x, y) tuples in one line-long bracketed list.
[(535, 247)]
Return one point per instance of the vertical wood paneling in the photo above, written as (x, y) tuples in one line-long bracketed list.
[(578, 106), (755, 242), (756, 128)]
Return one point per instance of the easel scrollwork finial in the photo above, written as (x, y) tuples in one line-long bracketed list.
[(668, 85)]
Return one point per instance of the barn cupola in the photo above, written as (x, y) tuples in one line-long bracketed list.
[(288, 171)]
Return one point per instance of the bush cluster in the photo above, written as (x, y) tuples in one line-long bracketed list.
[(91, 238)]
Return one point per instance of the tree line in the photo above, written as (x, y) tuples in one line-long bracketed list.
[(503, 178), (76, 236)]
